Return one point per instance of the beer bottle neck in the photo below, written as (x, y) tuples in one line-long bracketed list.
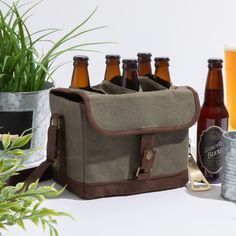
[(214, 92), (130, 79), (144, 69), (112, 70), (130, 74), (162, 71), (80, 77)]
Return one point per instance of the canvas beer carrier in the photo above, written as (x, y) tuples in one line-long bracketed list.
[(114, 141)]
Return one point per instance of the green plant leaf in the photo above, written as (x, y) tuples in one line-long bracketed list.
[(19, 186), (5, 62), (21, 224), (6, 141), (33, 186), (35, 221), (21, 141), (54, 193), (19, 203), (17, 152), (3, 211), (22, 68)]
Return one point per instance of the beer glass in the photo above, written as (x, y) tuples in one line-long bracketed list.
[(230, 71)]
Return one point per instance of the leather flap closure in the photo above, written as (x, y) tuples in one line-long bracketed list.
[(137, 113)]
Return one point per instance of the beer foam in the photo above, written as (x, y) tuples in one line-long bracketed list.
[(230, 47)]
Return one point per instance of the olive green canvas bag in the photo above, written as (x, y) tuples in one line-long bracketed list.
[(114, 141)]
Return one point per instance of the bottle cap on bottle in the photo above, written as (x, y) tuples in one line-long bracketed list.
[(144, 56), (161, 59), (215, 63), (112, 56), (80, 58), (129, 63)]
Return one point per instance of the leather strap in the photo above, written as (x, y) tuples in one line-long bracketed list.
[(147, 156), (55, 150)]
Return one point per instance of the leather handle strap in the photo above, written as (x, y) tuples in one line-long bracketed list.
[(54, 148), (147, 156)]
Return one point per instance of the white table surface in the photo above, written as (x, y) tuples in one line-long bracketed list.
[(171, 212)]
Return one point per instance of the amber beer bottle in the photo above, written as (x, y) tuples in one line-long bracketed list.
[(144, 64), (213, 121), (130, 74), (112, 72), (162, 74), (80, 76)]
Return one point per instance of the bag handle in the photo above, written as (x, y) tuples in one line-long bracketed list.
[(55, 150)]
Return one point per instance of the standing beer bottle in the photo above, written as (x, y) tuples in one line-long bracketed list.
[(144, 64), (112, 73), (162, 74), (213, 121), (80, 76), (130, 74)]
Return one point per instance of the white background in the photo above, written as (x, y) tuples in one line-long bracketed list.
[(188, 31)]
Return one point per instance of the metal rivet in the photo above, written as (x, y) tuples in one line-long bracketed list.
[(149, 155)]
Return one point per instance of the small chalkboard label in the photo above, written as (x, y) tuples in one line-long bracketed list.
[(15, 123)]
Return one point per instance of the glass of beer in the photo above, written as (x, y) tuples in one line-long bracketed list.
[(230, 71)]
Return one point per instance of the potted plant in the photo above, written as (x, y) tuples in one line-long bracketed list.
[(22, 203), (26, 75)]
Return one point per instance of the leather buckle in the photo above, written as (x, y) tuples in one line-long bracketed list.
[(141, 171), (147, 162)]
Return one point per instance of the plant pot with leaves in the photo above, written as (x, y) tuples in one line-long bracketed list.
[(26, 75)]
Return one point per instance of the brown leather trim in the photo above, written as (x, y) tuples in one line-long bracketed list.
[(38, 172), (100, 130), (147, 156), (90, 191)]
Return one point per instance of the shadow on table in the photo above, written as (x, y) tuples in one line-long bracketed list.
[(213, 193)]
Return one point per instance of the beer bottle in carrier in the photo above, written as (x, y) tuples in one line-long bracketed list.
[(144, 64), (213, 121), (162, 74), (130, 74), (80, 76), (112, 72)]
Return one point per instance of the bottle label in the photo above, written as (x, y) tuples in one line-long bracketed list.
[(211, 149)]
